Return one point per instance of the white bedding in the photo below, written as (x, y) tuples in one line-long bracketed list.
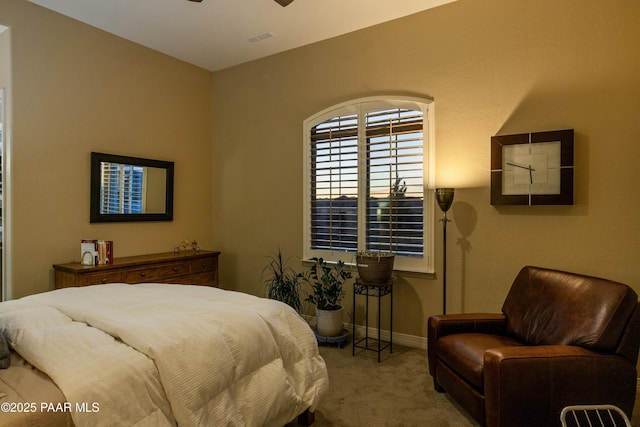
[(155, 354)]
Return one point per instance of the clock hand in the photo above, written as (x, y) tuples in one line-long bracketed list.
[(529, 168)]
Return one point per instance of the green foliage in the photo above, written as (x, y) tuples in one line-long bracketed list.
[(399, 188), (283, 283), (327, 283)]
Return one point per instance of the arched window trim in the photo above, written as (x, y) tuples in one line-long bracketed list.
[(423, 264)]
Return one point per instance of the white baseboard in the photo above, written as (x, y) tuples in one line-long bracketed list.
[(398, 338)]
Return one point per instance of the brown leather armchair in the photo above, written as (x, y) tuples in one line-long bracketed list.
[(562, 339)]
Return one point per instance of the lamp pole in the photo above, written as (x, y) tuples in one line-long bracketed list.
[(444, 197)]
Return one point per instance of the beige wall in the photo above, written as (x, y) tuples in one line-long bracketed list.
[(5, 52), (493, 67), (155, 193), (75, 90)]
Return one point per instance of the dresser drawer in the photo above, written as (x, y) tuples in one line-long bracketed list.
[(157, 273), (204, 264), (103, 278), (206, 279)]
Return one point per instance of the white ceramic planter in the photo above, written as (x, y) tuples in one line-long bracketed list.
[(329, 322)]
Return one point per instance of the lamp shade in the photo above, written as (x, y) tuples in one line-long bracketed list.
[(444, 197)]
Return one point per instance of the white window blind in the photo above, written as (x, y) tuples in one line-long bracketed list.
[(367, 172), (334, 181), (122, 188), (395, 193)]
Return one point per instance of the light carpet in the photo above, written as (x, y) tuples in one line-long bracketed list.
[(396, 392)]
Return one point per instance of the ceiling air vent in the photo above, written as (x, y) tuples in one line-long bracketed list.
[(260, 37)]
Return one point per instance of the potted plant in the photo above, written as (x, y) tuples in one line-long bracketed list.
[(375, 266), (283, 283), (327, 292)]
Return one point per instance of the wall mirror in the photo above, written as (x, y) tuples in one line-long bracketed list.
[(126, 189)]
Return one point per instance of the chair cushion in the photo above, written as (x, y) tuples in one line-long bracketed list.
[(464, 353), (554, 307)]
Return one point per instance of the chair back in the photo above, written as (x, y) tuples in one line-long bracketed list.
[(551, 307)]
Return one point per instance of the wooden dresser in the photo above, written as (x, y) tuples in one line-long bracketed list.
[(187, 268)]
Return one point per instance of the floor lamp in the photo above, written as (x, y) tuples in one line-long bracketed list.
[(444, 197)]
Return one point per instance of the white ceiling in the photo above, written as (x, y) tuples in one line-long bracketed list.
[(214, 34)]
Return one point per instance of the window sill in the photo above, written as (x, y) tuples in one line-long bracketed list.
[(351, 267)]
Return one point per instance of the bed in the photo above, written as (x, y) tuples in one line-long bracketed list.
[(156, 355)]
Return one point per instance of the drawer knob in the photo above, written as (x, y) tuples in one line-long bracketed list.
[(104, 280), (175, 268), (204, 264), (143, 274)]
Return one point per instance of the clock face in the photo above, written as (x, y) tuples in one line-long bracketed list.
[(530, 169)]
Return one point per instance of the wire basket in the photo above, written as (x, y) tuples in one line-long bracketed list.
[(593, 416)]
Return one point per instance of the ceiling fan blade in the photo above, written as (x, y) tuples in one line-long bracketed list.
[(197, 1)]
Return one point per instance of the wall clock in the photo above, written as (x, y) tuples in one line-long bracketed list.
[(532, 168)]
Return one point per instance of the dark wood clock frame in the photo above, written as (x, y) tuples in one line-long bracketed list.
[(566, 173)]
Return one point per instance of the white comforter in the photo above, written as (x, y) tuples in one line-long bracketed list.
[(155, 354)]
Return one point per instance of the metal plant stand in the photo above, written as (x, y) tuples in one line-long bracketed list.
[(376, 290)]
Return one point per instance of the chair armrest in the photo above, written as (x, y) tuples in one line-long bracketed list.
[(482, 323), (521, 384), (448, 324)]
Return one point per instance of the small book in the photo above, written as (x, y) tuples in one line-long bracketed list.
[(88, 252), (105, 252)]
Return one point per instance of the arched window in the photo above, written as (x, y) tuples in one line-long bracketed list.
[(367, 170)]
